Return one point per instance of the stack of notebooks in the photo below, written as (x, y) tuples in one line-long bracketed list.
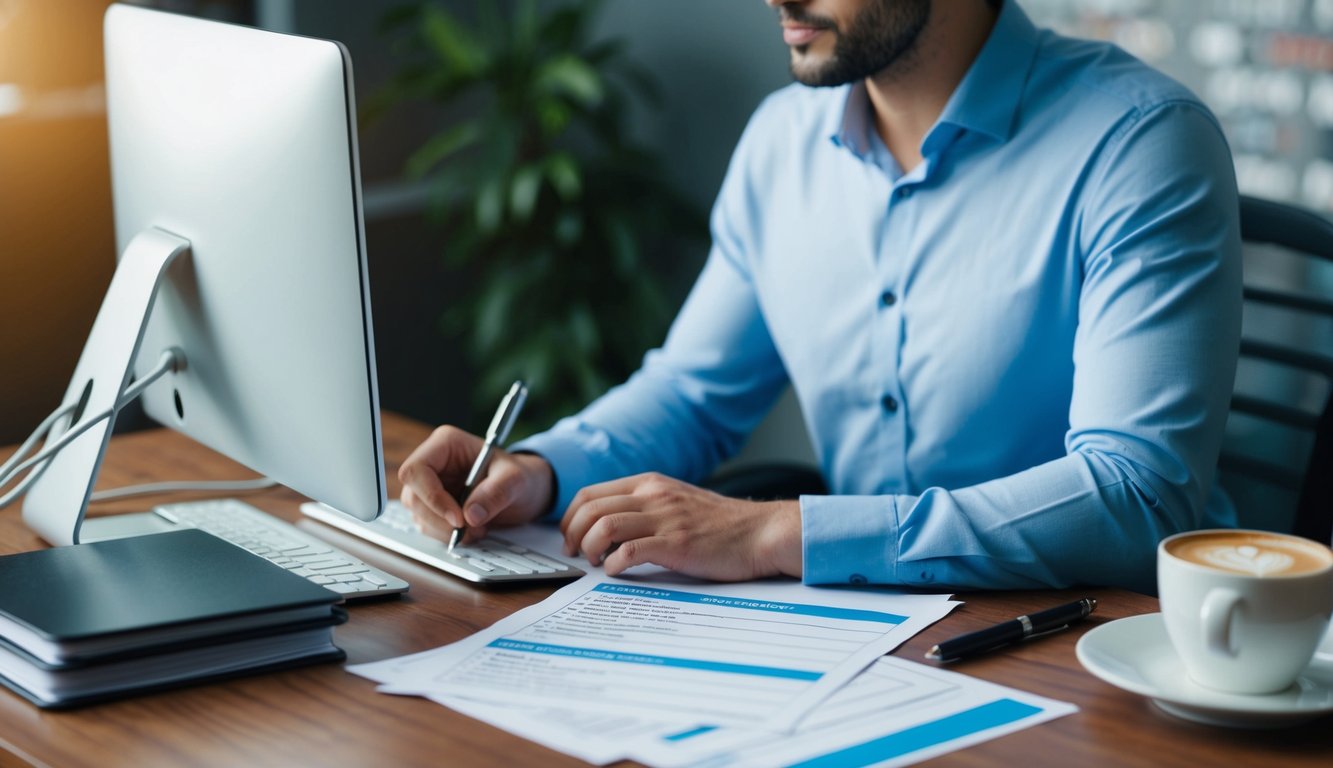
[(95, 621)]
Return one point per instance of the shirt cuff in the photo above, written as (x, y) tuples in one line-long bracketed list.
[(849, 539), (570, 461)]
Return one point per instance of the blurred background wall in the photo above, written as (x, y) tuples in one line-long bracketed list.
[(1265, 66), (55, 200)]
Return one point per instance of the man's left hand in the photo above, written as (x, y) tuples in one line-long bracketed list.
[(655, 519)]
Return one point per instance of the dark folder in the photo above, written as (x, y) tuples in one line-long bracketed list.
[(89, 621)]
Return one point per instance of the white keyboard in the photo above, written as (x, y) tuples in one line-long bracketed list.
[(492, 559), (284, 544)]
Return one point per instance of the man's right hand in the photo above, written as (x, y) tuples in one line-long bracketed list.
[(517, 488)]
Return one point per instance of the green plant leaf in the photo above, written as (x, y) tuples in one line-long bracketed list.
[(566, 28), (583, 330), (451, 41), (527, 23), (441, 146), (494, 306), (570, 76), (490, 205), (562, 170), (624, 249), (555, 116), (490, 24), (523, 191), (562, 288)]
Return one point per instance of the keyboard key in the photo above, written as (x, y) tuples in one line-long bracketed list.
[(491, 560), (323, 561), (527, 562), (551, 563), (505, 563), (342, 569), (325, 566)]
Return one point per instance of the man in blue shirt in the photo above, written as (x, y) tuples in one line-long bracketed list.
[(1000, 269)]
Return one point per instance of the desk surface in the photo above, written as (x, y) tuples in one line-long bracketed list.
[(323, 715)]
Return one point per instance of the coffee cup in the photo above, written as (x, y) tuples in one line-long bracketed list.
[(1245, 610)]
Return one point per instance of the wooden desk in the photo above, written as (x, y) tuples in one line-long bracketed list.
[(325, 716)]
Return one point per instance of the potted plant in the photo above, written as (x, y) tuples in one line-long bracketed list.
[(544, 198)]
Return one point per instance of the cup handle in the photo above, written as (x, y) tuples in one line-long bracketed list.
[(1218, 608)]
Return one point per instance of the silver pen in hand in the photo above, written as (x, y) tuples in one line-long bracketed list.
[(496, 434)]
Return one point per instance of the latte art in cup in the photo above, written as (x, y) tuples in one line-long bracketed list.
[(1252, 554), (1245, 610)]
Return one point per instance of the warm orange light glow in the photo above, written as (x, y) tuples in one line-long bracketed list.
[(56, 242), (11, 99)]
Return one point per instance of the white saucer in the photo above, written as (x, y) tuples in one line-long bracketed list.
[(1135, 654)]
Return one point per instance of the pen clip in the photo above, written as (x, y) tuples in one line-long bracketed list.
[(505, 417), (1046, 632)]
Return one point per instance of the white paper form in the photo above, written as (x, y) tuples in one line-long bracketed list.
[(895, 713), (594, 737), (758, 654)]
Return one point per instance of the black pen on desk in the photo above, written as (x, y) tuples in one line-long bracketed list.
[(496, 434), (1006, 632)]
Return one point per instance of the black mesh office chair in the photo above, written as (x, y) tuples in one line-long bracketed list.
[(1280, 433)]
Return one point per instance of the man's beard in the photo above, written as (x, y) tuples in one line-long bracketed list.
[(879, 36)]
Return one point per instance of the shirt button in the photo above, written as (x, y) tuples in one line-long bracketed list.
[(904, 193), (857, 578), (889, 403), (888, 299)]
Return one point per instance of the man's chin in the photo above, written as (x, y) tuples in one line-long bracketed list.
[(807, 71), (809, 68)]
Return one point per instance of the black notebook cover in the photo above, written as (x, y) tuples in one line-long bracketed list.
[(142, 583)]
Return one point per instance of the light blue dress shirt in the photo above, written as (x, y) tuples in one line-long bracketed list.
[(1014, 361)]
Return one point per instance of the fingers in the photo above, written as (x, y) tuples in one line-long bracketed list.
[(494, 494), (581, 519), (620, 487), (423, 492), (444, 456), (434, 526), (515, 488), (652, 549), (616, 530)]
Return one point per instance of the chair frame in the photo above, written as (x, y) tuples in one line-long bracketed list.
[(1267, 222)]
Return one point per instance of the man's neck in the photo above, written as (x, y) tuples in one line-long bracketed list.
[(907, 97)]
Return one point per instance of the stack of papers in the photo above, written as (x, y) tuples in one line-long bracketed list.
[(673, 672)]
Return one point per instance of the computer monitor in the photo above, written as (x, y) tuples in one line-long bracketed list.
[(239, 223)]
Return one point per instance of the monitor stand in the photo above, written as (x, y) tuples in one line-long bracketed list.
[(55, 503)]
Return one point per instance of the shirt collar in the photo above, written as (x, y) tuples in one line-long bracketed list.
[(986, 100), (849, 127)]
